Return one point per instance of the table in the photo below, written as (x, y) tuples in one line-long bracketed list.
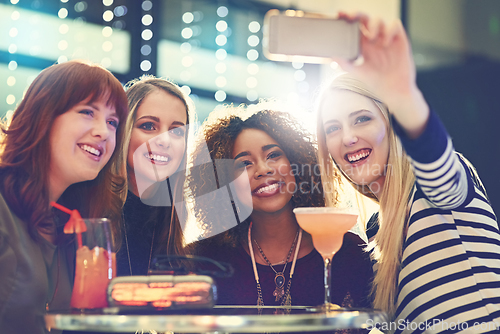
[(218, 320)]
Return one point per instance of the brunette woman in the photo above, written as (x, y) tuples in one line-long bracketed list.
[(272, 162), (155, 159), (59, 146)]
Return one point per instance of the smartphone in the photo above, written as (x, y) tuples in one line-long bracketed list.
[(310, 38)]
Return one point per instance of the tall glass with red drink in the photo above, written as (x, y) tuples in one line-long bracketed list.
[(95, 265)]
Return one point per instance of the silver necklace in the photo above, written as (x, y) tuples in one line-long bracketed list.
[(287, 300), (279, 279), (128, 250)]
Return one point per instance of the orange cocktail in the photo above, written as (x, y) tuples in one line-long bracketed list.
[(327, 227), (95, 266)]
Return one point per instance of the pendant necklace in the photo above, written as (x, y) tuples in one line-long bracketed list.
[(279, 279)]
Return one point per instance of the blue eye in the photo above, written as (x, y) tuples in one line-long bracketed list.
[(331, 129), (362, 119), (178, 131), (114, 123), (86, 112), (148, 126)]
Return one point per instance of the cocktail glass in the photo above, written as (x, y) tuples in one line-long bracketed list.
[(327, 227), (95, 265)]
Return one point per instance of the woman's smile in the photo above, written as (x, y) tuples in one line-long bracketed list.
[(358, 157), (268, 189)]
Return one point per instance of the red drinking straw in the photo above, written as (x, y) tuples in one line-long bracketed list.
[(75, 223)]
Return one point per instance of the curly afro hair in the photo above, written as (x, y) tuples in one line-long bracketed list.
[(218, 135)]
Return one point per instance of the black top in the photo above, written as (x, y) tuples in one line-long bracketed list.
[(140, 222), (352, 273)]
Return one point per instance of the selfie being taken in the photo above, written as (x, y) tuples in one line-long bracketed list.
[(258, 166)]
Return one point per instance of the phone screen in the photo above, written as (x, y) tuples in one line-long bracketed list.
[(309, 39)]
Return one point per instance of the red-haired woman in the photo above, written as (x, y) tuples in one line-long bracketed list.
[(59, 146)]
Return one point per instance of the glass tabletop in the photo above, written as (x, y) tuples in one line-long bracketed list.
[(220, 319)]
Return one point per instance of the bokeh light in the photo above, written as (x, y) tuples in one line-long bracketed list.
[(220, 96), (187, 33), (147, 20), (221, 26), (187, 17), (254, 26), (221, 40), (251, 82), (63, 29), (147, 5), (186, 47), (253, 40), (108, 16), (145, 65), (62, 13), (253, 68), (11, 81), (220, 68), (146, 50), (252, 55), (252, 95), (221, 54), (107, 31), (147, 34), (220, 81), (222, 11), (11, 99)]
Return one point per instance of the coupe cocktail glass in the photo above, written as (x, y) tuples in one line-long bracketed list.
[(95, 265), (327, 227)]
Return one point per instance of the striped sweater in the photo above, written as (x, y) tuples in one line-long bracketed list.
[(449, 280)]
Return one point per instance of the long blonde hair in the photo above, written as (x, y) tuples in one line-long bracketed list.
[(393, 201)]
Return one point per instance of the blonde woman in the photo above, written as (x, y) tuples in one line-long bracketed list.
[(438, 245)]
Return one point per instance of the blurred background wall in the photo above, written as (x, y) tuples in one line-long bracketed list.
[(212, 48)]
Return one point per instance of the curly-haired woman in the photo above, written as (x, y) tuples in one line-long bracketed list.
[(272, 162)]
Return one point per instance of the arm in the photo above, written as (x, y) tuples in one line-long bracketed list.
[(436, 166), (8, 265)]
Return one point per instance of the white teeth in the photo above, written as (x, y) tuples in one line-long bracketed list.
[(357, 157), (91, 150), (268, 188), (157, 157)]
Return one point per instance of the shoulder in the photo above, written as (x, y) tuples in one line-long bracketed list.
[(218, 245), (353, 241)]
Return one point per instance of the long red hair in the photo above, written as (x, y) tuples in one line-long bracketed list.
[(25, 157)]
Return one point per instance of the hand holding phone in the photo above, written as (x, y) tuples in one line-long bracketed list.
[(309, 38)]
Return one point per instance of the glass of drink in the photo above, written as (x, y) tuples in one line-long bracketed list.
[(95, 265), (327, 227)]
